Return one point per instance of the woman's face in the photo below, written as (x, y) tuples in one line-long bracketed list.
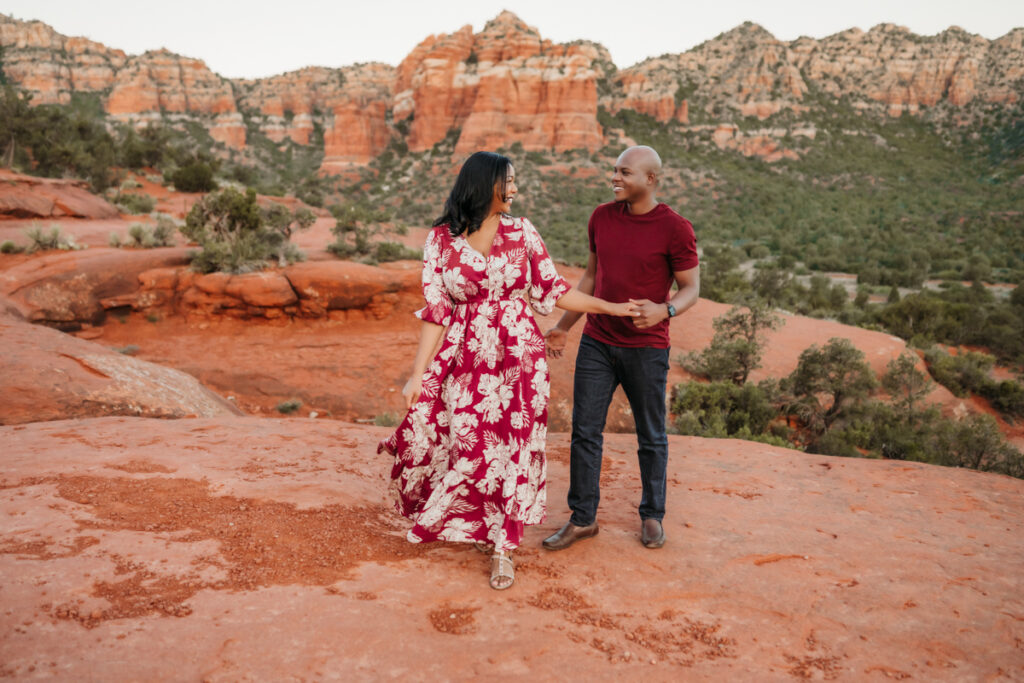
[(504, 204)]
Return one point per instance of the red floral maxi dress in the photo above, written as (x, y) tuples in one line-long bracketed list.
[(469, 455)]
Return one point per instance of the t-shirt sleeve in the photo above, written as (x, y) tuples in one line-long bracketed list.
[(439, 305), (546, 285), (683, 247), (590, 233)]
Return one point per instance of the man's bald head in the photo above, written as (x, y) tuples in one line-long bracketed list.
[(642, 159)]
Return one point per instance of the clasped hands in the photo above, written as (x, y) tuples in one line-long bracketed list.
[(644, 312)]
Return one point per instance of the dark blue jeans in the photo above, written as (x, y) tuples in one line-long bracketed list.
[(642, 372)]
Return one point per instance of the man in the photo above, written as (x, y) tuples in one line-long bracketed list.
[(638, 247)]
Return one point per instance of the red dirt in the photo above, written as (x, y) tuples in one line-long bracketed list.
[(248, 548)]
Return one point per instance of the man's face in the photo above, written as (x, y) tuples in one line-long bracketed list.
[(629, 181)]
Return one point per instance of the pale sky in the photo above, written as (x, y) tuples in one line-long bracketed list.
[(261, 37)]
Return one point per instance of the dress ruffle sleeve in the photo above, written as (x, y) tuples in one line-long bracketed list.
[(546, 285), (439, 304)]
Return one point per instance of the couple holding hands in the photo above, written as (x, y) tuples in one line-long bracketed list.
[(469, 461)]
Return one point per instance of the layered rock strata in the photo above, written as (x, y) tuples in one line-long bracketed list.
[(507, 85)]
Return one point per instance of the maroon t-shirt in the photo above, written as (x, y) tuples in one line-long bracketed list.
[(637, 257)]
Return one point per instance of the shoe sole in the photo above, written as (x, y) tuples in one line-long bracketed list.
[(568, 545)]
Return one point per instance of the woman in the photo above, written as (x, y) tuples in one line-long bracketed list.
[(469, 454)]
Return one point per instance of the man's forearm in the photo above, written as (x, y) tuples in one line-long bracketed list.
[(684, 298)]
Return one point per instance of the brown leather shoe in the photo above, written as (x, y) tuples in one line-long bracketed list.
[(569, 534), (652, 534)]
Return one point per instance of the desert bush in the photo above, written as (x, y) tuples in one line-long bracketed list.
[(836, 372), (970, 373), (41, 239), (195, 176), (735, 349), (905, 384), (289, 406), (136, 203), (351, 229), (9, 247), (57, 140), (386, 420), (237, 236), (976, 442), (395, 251), (724, 409), (962, 374)]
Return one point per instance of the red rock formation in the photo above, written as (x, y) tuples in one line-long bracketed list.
[(507, 85), (48, 375), (71, 288), (358, 130), (762, 144), (23, 196), (501, 86)]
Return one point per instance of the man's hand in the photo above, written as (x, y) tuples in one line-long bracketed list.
[(555, 341), (648, 313)]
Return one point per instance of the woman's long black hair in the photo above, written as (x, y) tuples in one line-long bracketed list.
[(470, 199)]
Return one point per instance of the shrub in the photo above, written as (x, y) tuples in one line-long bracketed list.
[(136, 203), (43, 240), (144, 237), (977, 443), (386, 420), (905, 383), (195, 176), (838, 372), (9, 247), (394, 251), (963, 373), (290, 406), (723, 409), (237, 236), (735, 349)]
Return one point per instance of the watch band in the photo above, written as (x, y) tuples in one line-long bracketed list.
[(671, 309)]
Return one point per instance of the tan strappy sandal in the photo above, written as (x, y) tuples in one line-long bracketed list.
[(503, 572)]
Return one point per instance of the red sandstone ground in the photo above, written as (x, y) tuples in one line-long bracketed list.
[(259, 549), (262, 549)]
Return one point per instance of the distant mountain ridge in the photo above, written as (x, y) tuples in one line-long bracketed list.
[(506, 85)]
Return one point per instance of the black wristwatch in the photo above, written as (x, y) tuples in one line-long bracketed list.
[(671, 309)]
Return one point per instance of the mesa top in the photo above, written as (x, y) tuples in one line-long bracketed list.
[(637, 257)]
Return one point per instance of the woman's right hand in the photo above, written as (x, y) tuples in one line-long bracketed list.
[(412, 390)]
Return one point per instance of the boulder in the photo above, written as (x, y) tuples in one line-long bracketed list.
[(48, 375), (24, 196), (69, 288)]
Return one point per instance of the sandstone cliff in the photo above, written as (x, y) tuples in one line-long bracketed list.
[(501, 86), (748, 72), (507, 84)]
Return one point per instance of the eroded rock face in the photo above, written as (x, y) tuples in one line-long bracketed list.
[(23, 196), (501, 86), (66, 289), (49, 375), (507, 84), (749, 72)]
